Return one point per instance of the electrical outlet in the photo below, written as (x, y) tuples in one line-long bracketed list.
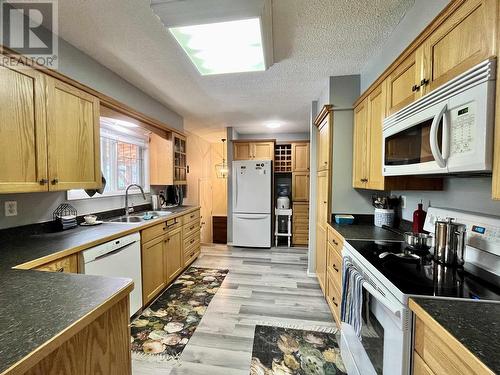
[(403, 201), (11, 208)]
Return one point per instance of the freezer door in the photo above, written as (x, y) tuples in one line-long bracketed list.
[(252, 186), (251, 230)]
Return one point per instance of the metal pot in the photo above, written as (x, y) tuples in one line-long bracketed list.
[(449, 246), (418, 241)]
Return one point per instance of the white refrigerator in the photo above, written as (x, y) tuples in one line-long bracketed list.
[(252, 203)]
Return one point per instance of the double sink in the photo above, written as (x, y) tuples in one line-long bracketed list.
[(140, 217)]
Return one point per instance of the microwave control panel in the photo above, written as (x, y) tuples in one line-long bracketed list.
[(462, 120)]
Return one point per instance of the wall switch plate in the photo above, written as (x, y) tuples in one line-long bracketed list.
[(403, 201), (11, 208)]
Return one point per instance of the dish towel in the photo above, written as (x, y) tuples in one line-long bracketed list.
[(352, 298)]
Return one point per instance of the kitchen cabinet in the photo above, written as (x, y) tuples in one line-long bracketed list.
[(23, 160), (173, 254), (67, 264), (300, 224), (300, 157), (463, 40), (333, 298), (321, 224), (254, 150), (324, 141), (335, 243), (73, 139), (161, 168), (321, 256), (300, 186), (360, 154), (153, 268), (180, 159)]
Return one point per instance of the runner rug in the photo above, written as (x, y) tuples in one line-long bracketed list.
[(163, 329), (288, 351)]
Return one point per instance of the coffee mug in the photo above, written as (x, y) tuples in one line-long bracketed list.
[(90, 219)]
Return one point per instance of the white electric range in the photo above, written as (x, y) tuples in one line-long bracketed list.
[(385, 346)]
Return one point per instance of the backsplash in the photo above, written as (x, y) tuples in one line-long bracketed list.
[(38, 207), (467, 193)]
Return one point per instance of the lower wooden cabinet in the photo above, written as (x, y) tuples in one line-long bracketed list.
[(153, 269), (321, 255), (333, 298), (300, 224), (173, 254), (67, 264)]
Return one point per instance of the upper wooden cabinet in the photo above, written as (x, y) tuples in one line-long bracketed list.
[(253, 150), (180, 159), (23, 160), (463, 40), (324, 122), (50, 134), (73, 138), (376, 114), (161, 169), (360, 154), (300, 186), (403, 85), (300, 157)]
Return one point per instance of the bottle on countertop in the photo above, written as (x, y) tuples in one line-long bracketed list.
[(419, 219)]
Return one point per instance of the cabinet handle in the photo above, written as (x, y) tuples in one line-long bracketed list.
[(43, 181), (60, 269), (335, 303), (415, 88), (55, 181), (191, 242), (424, 82), (335, 268), (191, 228)]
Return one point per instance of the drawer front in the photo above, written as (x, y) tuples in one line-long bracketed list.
[(195, 215), (335, 240), (419, 366), (335, 266), (151, 233), (67, 264), (190, 256), (190, 228), (192, 240), (300, 209), (300, 239), (172, 224), (300, 228), (333, 297)]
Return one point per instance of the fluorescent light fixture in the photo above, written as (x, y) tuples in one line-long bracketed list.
[(273, 125), (223, 47)]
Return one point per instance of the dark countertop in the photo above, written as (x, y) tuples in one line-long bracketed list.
[(37, 306), (365, 232), (475, 324)]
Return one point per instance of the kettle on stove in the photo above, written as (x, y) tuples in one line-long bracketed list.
[(449, 248)]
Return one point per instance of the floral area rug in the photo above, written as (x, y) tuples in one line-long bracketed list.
[(162, 331), (295, 351)]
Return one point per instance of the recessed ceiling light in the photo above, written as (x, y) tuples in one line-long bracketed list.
[(223, 47), (273, 125)]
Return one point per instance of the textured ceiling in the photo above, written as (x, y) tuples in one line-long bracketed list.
[(313, 39)]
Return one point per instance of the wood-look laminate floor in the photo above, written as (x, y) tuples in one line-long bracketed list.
[(262, 287)]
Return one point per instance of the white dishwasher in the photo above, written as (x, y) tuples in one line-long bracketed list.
[(118, 258)]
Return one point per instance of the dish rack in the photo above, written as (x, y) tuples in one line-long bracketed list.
[(65, 217)]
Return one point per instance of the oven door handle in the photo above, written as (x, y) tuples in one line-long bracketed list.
[(395, 309), (438, 157)]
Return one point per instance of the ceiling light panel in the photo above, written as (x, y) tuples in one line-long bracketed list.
[(224, 47)]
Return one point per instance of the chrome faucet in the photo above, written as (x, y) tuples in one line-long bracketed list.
[(131, 209)]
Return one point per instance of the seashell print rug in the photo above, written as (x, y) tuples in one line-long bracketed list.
[(295, 352), (164, 328)]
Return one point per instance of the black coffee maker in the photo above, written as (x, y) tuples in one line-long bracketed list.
[(174, 195)]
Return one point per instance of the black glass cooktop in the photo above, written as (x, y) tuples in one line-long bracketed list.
[(423, 276)]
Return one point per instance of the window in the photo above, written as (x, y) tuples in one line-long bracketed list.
[(124, 158)]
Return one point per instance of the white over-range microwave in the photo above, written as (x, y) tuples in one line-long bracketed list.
[(449, 130)]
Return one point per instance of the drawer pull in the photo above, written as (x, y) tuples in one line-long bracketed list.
[(171, 225), (60, 269), (335, 268), (192, 241), (191, 228), (335, 303)]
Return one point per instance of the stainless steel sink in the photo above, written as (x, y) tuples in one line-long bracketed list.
[(155, 214), (124, 219), (138, 217)]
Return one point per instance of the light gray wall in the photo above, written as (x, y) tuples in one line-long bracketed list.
[(471, 193), (38, 207), (280, 137), (416, 19)]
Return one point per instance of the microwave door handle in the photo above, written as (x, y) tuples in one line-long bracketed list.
[(441, 162), (396, 310)]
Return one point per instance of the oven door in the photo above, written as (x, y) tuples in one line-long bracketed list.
[(383, 348), (418, 144)]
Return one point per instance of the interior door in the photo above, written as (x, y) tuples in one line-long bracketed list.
[(205, 199), (23, 159), (73, 138)]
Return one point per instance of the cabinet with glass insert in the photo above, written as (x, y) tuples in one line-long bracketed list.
[(180, 162)]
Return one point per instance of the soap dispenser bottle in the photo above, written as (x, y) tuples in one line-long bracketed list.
[(419, 219)]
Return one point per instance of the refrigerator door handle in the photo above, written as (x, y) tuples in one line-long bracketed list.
[(252, 217)]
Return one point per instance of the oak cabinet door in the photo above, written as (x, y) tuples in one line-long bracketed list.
[(403, 85), (321, 255), (359, 159), (376, 105), (160, 160), (324, 144), (300, 157), (465, 39), (242, 151), (263, 150), (67, 264), (72, 138), (153, 269), (23, 159), (322, 198), (300, 186), (173, 254)]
